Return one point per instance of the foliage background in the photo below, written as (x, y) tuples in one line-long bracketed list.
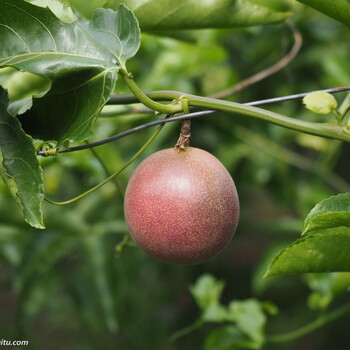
[(66, 287)]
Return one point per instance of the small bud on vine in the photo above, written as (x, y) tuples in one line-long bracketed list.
[(320, 102)]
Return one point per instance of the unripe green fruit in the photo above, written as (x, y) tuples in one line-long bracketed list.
[(181, 207)]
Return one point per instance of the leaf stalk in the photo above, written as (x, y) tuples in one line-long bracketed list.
[(318, 323)]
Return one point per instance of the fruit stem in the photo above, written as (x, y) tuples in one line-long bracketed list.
[(185, 136), (185, 133)]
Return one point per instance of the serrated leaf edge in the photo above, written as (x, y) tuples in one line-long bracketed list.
[(297, 242)]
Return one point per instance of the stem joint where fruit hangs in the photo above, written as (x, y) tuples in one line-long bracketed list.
[(185, 134)]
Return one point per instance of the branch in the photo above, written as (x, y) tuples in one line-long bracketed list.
[(282, 63), (319, 322), (343, 137), (131, 131), (169, 95)]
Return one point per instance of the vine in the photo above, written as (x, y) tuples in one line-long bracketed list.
[(112, 176), (170, 95)]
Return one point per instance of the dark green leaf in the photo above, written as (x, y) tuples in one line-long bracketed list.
[(19, 167), (249, 318), (154, 15), (82, 70), (332, 212), (65, 113), (338, 9), (326, 250)]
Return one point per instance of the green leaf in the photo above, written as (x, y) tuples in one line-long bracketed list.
[(276, 5), (19, 167), (214, 313), (339, 9), (59, 7), (154, 15), (207, 291), (249, 318), (87, 8), (122, 40), (21, 85), (326, 250), (82, 68), (69, 113), (326, 287), (227, 338), (332, 212)]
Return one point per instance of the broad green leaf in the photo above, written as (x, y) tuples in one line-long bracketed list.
[(19, 167), (82, 70), (122, 40), (59, 7), (332, 212), (87, 8), (21, 85), (69, 114), (249, 318), (207, 291), (337, 9), (326, 250), (155, 15)]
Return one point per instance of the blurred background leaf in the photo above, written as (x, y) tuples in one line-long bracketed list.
[(280, 176), (158, 15)]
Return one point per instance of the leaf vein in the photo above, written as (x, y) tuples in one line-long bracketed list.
[(17, 35), (37, 20)]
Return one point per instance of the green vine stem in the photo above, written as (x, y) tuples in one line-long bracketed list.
[(112, 176), (187, 330), (105, 169), (328, 130), (318, 323), (144, 99), (344, 109), (169, 95)]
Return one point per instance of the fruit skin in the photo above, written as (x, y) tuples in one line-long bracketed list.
[(181, 207)]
